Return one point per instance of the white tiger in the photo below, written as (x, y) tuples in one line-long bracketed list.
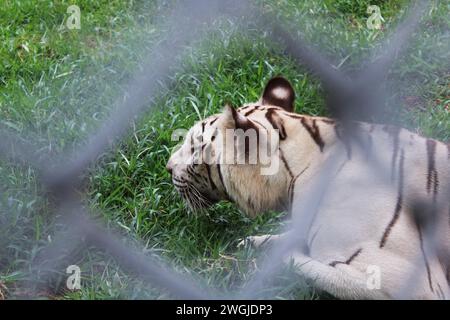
[(364, 218)]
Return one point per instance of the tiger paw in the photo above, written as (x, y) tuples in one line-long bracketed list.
[(254, 241)]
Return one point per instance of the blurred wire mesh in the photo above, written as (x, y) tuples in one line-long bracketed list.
[(62, 177)]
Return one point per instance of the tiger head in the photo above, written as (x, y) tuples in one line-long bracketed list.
[(234, 155)]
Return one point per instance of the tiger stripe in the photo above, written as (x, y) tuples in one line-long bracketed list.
[(192, 144), (311, 241), (178, 184), (292, 186), (219, 173), (213, 120), (440, 291), (425, 258), (340, 168), (432, 174), (244, 107), (270, 117), (348, 261), (394, 132), (283, 159), (399, 205), (193, 174), (251, 111), (211, 182), (328, 121), (178, 180), (220, 176), (314, 132)]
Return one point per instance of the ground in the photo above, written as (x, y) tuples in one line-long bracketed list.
[(57, 85)]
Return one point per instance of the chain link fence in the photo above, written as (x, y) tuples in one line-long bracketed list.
[(63, 177)]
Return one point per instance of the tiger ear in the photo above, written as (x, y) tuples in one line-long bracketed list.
[(279, 92), (235, 120)]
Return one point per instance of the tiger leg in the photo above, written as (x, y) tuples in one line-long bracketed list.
[(343, 283), (258, 241)]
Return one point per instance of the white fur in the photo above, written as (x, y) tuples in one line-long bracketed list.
[(356, 208)]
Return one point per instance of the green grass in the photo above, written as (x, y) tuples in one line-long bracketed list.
[(56, 85)]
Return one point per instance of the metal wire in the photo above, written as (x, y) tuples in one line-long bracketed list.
[(66, 174)]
